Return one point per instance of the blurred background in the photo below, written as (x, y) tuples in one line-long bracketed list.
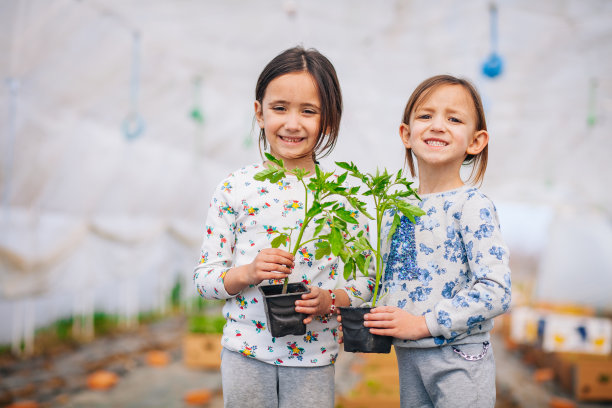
[(118, 119)]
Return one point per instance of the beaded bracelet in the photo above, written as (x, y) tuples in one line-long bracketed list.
[(332, 308)]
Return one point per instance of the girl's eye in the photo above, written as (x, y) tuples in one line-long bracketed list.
[(278, 108), (310, 111), (452, 119), (424, 116)]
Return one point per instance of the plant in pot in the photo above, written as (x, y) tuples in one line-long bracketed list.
[(388, 193), (321, 212)]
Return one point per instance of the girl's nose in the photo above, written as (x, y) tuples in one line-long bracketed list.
[(437, 123), (292, 121)]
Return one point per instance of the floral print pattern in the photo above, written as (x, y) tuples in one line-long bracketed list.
[(451, 266), (244, 217)]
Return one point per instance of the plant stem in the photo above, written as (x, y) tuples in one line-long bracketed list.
[(298, 242)]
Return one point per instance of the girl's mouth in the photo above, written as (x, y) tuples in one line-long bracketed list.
[(290, 139), (433, 142)]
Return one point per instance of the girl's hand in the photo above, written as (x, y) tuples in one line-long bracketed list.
[(270, 263), (395, 322), (340, 333), (315, 303)]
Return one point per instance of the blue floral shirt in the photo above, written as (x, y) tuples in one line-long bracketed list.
[(243, 218), (451, 266)]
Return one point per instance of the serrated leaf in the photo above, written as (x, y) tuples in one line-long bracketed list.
[(366, 266), (264, 174), (344, 165), (336, 241), (322, 252), (346, 216), (349, 269), (394, 225), (318, 229), (280, 240), (314, 210)]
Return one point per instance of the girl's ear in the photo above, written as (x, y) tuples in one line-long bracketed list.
[(479, 141), (259, 114), (404, 132)]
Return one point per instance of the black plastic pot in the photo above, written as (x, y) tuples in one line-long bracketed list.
[(357, 337), (280, 309)]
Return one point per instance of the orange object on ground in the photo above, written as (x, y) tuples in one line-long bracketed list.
[(543, 375), (24, 404), (198, 397), (158, 358), (102, 380), (556, 402)]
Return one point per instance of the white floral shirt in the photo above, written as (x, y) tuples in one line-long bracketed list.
[(243, 217), (451, 266)]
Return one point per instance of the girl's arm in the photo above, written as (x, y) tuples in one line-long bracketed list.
[(217, 247), (216, 277), (270, 263)]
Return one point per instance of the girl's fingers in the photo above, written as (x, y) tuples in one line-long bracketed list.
[(381, 332), (382, 309), (378, 316), (379, 324), (311, 295), (277, 268), (307, 302), (277, 260)]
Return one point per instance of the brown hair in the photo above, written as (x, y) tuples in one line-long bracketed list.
[(478, 161), (298, 59)]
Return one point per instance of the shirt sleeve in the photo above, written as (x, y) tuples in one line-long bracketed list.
[(216, 256), (488, 289)]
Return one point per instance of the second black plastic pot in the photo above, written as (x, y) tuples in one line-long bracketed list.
[(357, 337), (280, 309)]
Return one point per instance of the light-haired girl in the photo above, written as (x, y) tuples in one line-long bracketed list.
[(446, 276), (298, 105)]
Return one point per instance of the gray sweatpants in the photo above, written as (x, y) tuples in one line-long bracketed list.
[(442, 378), (251, 383)]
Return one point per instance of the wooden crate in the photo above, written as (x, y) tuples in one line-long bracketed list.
[(593, 380), (202, 350)]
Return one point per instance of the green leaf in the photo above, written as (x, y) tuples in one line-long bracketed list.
[(336, 241), (359, 205), (346, 216), (368, 260), (318, 229), (264, 174), (394, 225), (280, 240), (342, 178), (314, 210), (274, 160), (349, 269), (322, 252), (345, 166), (277, 176), (360, 260)]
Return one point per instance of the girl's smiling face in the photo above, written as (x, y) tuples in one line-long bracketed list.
[(442, 129), (290, 115)]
